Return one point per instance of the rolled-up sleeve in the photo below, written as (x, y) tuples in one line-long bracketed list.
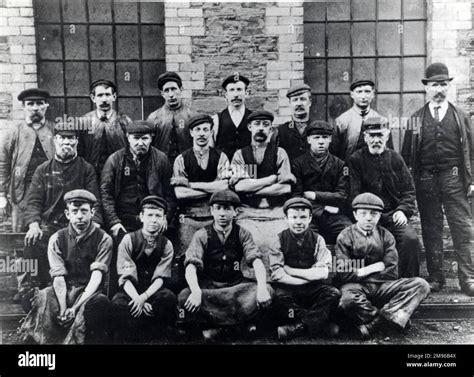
[(195, 251), (239, 170), (179, 178), (284, 168), (163, 269), (251, 251), (224, 170), (322, 255), (277, 259), (126, 267), (55, 258), (104, 255)]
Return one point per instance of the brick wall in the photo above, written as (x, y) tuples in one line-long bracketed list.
[(17, 57), (206, 42), (449, 41)]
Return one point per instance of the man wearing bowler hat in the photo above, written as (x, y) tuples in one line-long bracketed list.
[(170, 120), (291, 136), (438, 147), (230, 125), (102, 131), (382, 171), (323, 179)]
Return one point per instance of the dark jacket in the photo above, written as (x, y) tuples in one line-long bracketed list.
[(52, 179), (384, 175), (331, 183), (412, 141), (158, 182)]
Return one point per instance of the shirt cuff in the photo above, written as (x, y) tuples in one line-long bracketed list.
[(58, 271), (179, 181), (100, 266), (196, 261)]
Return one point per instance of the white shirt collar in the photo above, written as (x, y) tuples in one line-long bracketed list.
[(108, 114), (443, 109), (241, 110)]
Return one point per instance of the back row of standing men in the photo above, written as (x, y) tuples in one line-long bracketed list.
[(325, 164)]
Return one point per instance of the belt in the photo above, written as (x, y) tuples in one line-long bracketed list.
[(440, 169)]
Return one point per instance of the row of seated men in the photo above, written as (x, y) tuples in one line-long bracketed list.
[(298, 300)]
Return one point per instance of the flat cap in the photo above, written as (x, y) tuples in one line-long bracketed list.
[(153, 200), (367, 200), (225, 196), (319, 127), (375, 125), (33, 93), (140, 127), (296, 90), (65, 129), (80, 195), (103, 82), (235, 78), (200, 119), (436, 72), (169, 76), (297, 202), (260, 115), (357, 83)]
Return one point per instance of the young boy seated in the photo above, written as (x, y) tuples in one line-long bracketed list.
[(299, 264), (373, 296), (144, 307), (218, 294)]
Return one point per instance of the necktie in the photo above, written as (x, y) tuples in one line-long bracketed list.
[(363, 113), (436, 111)]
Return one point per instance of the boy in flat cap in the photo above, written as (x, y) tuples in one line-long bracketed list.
[(291, 136), (144, 307), (131, 174), (373, 296), (299, 264), (171, 120), (73, 310), (438, 147), (269, 182), (218, 294), (22, 149), (45, 207), (382, 171), (348, 136), (230, 125), (323, 179), (102, 129)]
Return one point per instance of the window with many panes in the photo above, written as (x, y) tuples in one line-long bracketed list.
[(79, 41), (384, 40)]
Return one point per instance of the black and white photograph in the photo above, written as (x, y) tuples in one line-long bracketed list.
[(197, 179)]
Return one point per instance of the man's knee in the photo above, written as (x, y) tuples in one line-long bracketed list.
[(183, 296), (165, 296), (421, 285)]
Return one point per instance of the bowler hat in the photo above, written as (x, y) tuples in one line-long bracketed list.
[(436, 72)]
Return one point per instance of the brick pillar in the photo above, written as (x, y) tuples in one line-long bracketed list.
[(206, 42), (17, 56), (448, 30)]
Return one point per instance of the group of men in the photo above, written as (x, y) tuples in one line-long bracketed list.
[(141, 180)]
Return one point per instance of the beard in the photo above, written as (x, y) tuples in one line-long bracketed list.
[(36, 118), (376, 149), (66, 153)]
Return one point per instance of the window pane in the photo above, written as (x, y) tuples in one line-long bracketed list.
[(151, 71), (51, 78), (74, 11), (314, 11), (47, 10), (56, 108), (363, 38), (125, 12), (388, 42), (414, 9), (102, 70), (340, 10), (77, 107), (131, 106), (315, 74), (363, 69), (411, 103), (414, 38), (339, 75), (388, 75), (128, 79), (101, 45), (413, 69), (126, 40), (314, 40), (388, 104), (318, 108), (153, 42), (389, 9), (337, 105), (339, 38), (363, 9), (151, 12), (100, 11), (150, 104), (49, 37), (77, 79), (75, 42)]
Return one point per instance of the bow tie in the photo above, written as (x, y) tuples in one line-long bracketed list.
[(103, 118)]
